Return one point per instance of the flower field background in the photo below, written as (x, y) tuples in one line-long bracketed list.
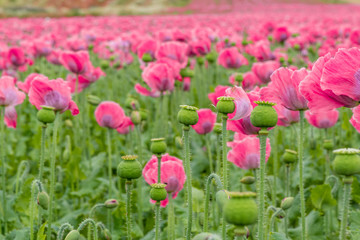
[(235, 120)]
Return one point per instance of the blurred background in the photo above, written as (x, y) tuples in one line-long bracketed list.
[(57, 8)]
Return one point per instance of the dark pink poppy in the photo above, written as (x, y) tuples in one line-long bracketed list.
[(75, 62), (207, 119), (219, 92), (16, 57)]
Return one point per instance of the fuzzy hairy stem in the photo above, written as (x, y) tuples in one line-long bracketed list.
[(140, 182), (42, 151), (157, 220), (34, 184), (108, 137), (188, 180), (301, 176), (22, 170), (287, 194), (346, 204), (171, 218), (128, 208), (224, 152), (91, 223), (62, 229), (208, 148), (3, 168)]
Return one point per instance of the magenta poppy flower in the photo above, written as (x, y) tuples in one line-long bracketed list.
[(206, 122), (126, 126), (200, 47), (284, 88), (355, 119), (263, 70), (53, 93), (109, 114), (243, 106), (281, 34), (75, 62), (10, 96), (148, 46), (175, 51), (318, 98), (219, 92), (231, 58), (245, 153), (25, 86), (323, 119), (172, 174), (16, 57)]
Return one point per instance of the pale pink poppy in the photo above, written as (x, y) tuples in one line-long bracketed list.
[(322, 119), (25, 86), (231, 58), (355, 119), (263, 70), (243, 106), (175, 51), (109, 114)]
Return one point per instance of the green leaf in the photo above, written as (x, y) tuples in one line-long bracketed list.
[(321, 197), (278, 236), (355, 190), (41, 235)]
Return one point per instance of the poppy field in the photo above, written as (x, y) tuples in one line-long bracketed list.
[(231, 125)]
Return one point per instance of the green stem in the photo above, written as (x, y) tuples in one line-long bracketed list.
[(159, 168), (188, 180), (52, 175), (35, 183), (93, 209), (218, 154), (140, 182), (42, 151), (208, 148), (207, 197), (128, 208), (108, 137), (157, 220), (62, 229), (89, 222), (3, 168), (301, 176), (287, 194), (224, 152), (276, 167), (346, 201), (171, 218), (262, 136)]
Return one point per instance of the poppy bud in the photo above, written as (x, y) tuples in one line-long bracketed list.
[(90, 47), (211, 57), (328, 144), (239, 78), (43, 200), (73, 235), (217, 128), (200, 61), (221, 198), (158, 145), (286, 203), (129, 168), (135, 117), (93, 100), (117, 65), (104, 64), (264, 115), (188, 115), (347, 161), (132, 103), (248, 180), (225, 105), (46, 114), (158, 192), (289, 156), (186, 72), (111, 203), (143, 114), (68, 123), (146, 57)]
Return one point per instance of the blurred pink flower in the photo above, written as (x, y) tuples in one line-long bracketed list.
[(355, 119), (323, 119), (75, 62), (175, 51), (25, 86), (231, 58), (219, 92), (263, 70), (243, 106), (126, 126), (206, 122), (109, 114)]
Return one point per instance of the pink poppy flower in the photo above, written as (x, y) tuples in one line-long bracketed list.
[(219, 92), (172, 173), (284, 88), (245, 153), (25, 86), (250, 80), (355, 119), (10, 96), (54, 93), (109, 114), (84, 80), (261, 50), (206, 122), (148, 46), (286, 117), (54, 57), (243, 106), (263, 70), (75, 62), (231, 58), (16, 57), (126, 126), (281, 34), (318, 98), (200, 47), (324, 119), (175, 51)]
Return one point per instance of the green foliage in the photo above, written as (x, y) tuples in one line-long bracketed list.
[(321, 197)]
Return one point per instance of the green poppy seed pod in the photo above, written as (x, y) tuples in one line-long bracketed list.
[(46, 114), (146, 57), (129, 168), (286, 203), (328, 144), (135, 117), (233, 44), (225, 105), (68, 123), (347, 161), (131, 103), (117, 65), (206, 236), (289, 156), (158, 192), (188, 115), (158, 145), (111, 203), (200, 61), (241, 209), (143, 114), (211, 57), (217, 128), (186, 72), (37, 69), (282, 60), (248, 180), (290, 61), (93, 100), (239, 78), (264, 115), (221, 198), (43, 200), (73, 235), (112, 58), (104, 64)]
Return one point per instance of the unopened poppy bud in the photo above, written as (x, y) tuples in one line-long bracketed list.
[(93, 100), (66, 155), (186, 72), (143, 114), (239, 78), (104, 64), (172, 184), (281, 215), (289, 156), (117, 65), (132, 103), (46, 114), (146, 57), (226, 40), (73, 235), (37, 69), (225, 105), (43, 200), (297, 47), (112, 58), (347, 161), (328, 144), (282, 60), (158, 192), (248, 180), (290, 61), (58, 188), (111, 203), (241, 208), (135, 117), (158, 145), (286, 203), (211, 57), (233, 44), (264, 115), (200, 61), (68, 123), (206, 236), (217, 128), (188, 115), (129, 168)]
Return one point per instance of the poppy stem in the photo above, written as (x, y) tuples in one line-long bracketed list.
[(287, 194), (62, 229), (207, 197), (52, 174), (140, 182), (35, 183), (108, 137), (263, 133), (345, 212), (171, 218), (224, 152), (3, 169), (157, 220), (42, 151), (301, 176), (188, 180), (128, 184), (208, 148), (89, 222)]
